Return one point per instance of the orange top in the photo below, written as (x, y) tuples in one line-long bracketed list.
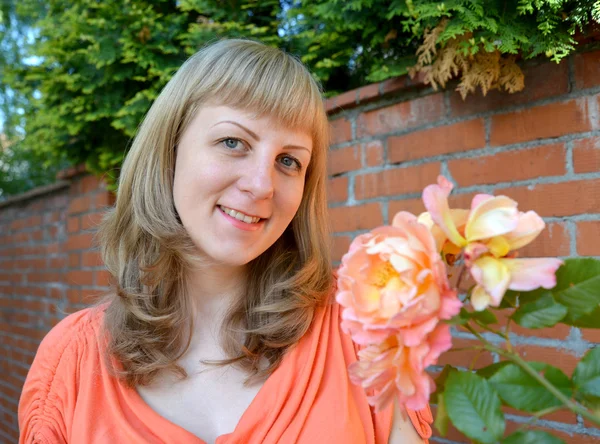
[(70, 397)]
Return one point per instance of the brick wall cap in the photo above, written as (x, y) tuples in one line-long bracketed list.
[(373, 91), (35, 192), (71, 172)]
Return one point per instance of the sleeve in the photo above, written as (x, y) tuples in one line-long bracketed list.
[(48, 395)]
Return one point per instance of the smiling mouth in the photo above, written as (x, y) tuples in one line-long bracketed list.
[(240, 216)]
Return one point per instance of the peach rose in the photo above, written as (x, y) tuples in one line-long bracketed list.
[(392, 281), (392, 369)]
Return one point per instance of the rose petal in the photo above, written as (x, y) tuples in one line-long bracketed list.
[(528, 228), (493, 275), (435, 198), (492, 217), (529, 274)]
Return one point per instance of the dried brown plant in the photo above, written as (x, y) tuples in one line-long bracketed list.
[(486, 70)]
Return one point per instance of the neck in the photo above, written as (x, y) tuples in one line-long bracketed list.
[(214, 289)]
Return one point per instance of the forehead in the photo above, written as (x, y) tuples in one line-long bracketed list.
[(215, 117)]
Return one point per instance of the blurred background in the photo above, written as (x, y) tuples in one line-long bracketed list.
[(501, 97)]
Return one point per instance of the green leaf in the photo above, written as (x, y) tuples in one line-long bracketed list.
[(491, 369), (543, 312), (532, 437), (474, 407), (441, 417), (586, 378), (485, 317), (440, 383), (520, 390), (589, 320), (578, 285)]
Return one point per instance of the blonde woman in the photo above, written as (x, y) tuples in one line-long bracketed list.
[(222, 326)]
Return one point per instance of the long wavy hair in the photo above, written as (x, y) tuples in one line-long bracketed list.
[(149, 315)]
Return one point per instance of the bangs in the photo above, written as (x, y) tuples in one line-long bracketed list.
[(263, 81)]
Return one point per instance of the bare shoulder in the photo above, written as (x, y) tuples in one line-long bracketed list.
[(403, 431)]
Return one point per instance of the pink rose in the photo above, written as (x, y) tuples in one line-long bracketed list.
[(392, 369), (393, 282)]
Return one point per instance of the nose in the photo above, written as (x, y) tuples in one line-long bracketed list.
[(257, 178)]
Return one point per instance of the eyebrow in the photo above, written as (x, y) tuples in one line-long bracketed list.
[(256, 137)]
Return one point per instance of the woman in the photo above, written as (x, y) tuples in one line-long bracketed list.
[(222, 326)]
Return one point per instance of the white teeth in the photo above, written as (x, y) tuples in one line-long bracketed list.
[(240, 216)]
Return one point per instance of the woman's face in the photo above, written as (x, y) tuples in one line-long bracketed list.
[(230, 166)]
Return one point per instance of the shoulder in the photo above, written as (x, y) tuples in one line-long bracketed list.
[(50, 387)]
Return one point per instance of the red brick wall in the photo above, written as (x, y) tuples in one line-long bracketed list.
[(48, 268), (540, 147)]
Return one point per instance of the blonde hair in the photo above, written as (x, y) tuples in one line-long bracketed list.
[(148, 319)]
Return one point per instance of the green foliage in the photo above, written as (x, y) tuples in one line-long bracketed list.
[(375, 39), (99, 66), (473, 405), (76, 77), (519, 390), (587, 378)]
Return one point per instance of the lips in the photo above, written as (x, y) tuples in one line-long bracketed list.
[(229, 210)]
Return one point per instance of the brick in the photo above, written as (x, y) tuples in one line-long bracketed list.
[(591, 334), (546, 160), (587, 69), (558, 358), (43, 277), (556, 199), (51, 217), (588, 238), (52, 232), (18, 224), (103, 199), (102, 278), (414, 206), (57, 293), (33, 221), (341, 131), (347, 99), (368, 92), (91, 259), (360, 217), (540, 122), (57, 262), (401, 116), (553, 241), (373, 153), (464, 358), (80, 277), (396, 181), (91, 221), (73, 296), (337, 189), (89, 183), (559, 331), (79, 205), (586, 155), (339, 247), (541, 81), (79, 242), (342, 160), (74, 260), (73, 224), (459, 137)]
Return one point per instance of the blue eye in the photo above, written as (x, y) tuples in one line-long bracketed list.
[(291, 162), (231, 143)]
